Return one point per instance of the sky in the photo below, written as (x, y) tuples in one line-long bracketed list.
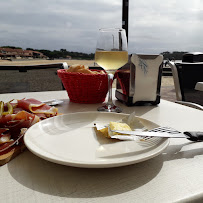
[(155, 26)]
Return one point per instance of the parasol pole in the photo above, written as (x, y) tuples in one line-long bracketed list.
[(125, 8)]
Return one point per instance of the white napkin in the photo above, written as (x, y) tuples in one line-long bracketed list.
[(146, 77)]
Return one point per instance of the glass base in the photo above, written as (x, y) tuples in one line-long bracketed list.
[(110, 108)]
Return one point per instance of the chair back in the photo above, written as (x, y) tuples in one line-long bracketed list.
[(190, 74), (185, 76)]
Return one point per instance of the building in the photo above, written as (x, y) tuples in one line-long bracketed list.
[(9, 53)]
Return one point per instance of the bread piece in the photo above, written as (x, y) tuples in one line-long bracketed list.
[(77, 68), (104, 132), (117, 126), (114, 126)]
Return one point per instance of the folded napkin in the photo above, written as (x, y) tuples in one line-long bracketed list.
[(146, 76)]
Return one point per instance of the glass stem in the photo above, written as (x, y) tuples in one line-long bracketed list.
[(110, 81)]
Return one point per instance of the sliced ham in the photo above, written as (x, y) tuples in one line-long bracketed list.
[(16, 118), (17, 109), (4, 135), (5, 138), (6, 147), (37, 107), (11, 126)]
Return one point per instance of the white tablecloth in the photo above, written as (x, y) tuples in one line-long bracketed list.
[(175, 175)]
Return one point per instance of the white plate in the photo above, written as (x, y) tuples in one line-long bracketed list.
[(71, 139)]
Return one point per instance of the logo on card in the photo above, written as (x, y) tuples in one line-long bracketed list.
[(143, 65)]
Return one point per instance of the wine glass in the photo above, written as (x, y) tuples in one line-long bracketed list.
[(111, 54)]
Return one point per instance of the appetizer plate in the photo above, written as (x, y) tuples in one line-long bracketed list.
[(72, 140)]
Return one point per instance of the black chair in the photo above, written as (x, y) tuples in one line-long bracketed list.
[(185, 76), (31, 78)]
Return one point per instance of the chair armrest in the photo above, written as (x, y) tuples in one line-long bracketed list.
[(65, 65), (199, 86), (176, 80), (190, 104)]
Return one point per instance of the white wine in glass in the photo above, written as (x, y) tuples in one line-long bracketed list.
[(111, 54)]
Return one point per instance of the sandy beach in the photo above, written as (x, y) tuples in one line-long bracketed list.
[(42, 61), (167, 86)]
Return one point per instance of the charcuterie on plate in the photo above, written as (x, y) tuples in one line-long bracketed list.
[(16, 117)]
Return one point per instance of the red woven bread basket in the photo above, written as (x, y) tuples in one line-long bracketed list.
[(84, 88)]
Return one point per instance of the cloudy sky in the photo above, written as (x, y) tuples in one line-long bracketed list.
[(154, 25)]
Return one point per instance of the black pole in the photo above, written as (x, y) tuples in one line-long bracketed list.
[(125, 16)]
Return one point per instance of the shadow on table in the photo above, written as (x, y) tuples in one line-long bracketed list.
[(184, 151), (64, 181), (72, 107)]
